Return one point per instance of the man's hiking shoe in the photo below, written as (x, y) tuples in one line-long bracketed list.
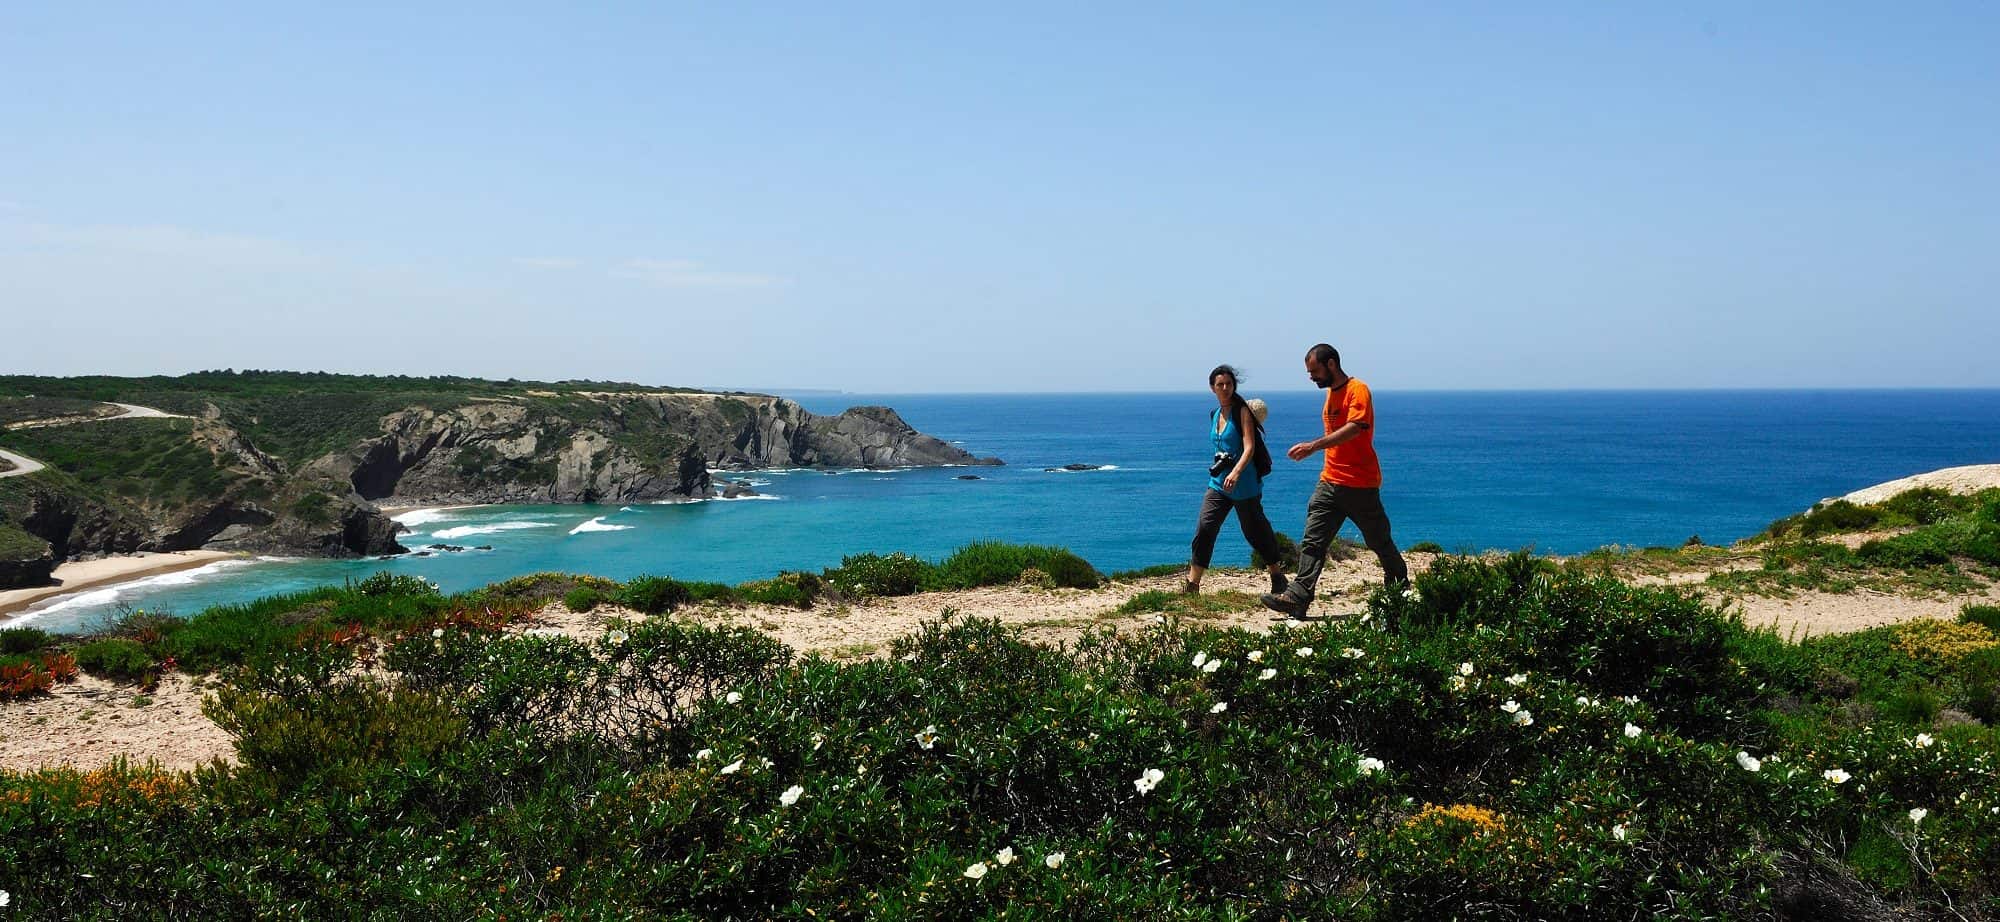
[(1284, 604), (1278, 584), (1190, 588)]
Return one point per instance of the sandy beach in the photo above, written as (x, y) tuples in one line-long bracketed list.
[(91, 574)]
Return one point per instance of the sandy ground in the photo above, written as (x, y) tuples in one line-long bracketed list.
[(1968, 479), (79, 575)]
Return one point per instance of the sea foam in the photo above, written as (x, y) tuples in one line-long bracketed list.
[(597, 524), (467, 531)]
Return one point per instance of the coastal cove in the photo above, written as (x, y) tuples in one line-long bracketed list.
[(1562, 472)]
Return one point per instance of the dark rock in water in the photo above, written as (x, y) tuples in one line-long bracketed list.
[(451, 548), (423, 554), (1073, 467), (736, 488), (968, 477), (484, 547)]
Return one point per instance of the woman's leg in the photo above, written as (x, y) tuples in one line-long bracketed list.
[(1214, 508), (1257, 530)]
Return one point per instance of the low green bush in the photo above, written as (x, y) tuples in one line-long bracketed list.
[(1288, 554), (790, 590), (116, 658), (653, 594), (15, 640), (1986, 616), (582, 599), (1426, 547), (877, 575), (994, 563), (1156, 570)]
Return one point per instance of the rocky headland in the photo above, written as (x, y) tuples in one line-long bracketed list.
[(302, 464)]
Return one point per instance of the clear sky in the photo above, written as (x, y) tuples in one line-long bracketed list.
[(1020, 197)]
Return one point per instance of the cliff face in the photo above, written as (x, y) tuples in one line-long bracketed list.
[(538, 447), (615, 448)]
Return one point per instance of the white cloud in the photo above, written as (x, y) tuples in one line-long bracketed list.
[(547, 262), (176, 244), (686, 273)]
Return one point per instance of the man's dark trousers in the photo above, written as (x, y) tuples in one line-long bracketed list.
[(1333, 504)]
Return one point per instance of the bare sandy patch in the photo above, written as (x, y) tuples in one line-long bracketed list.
[(92, 722)]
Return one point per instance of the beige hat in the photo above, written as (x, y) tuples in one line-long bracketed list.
[(1258, 408)]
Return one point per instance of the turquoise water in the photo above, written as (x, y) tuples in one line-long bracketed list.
[(1559, 471)]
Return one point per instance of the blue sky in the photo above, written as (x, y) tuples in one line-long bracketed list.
[(888, 198)]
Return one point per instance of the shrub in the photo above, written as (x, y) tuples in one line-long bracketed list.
[(582, 599), (1986, 616), (1288, 554), (538, 589), (117, 658), (16, 640), (1427, 547), (993, 563), (791, 590), (21, 680), (878, 574), (654, 594)]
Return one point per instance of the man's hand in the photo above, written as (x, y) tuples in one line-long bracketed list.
[(1300, 451)]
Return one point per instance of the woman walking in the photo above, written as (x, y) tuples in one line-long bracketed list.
[(1235, 480)]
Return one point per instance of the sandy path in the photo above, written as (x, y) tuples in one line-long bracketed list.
[(22, 464)]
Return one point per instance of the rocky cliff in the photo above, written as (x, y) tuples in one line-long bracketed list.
[(532, 447)]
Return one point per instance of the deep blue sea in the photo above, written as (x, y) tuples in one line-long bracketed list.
[(1560, 472)]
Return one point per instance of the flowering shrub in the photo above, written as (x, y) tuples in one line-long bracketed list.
[(681, 771)]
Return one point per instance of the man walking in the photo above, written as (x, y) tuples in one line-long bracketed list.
[(1350, 484)]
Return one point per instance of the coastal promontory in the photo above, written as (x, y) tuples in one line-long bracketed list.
[(305, 463)]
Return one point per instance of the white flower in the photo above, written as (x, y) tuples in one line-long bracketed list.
[(1465, 669), (1254, 655), (1917, 815), (1630, 699), (764, 763), (1200, 658), (5, 898), (1219, 707), (1304, 652), (791, 795), (1519, 678), (1632, 731), (733, 767), (1368, 765), (1510, 706), (819, 739), (1456, 682), (1524, 718), (1923, 741), (1267, 675), (927, 737), (1618, 832), (1005, 856), (1835, 775), (703, 755), (976, 870), (1149, 780), (732, 697), (617, 637), (1213, 665), (437, 632), (1054, 860), (1353, 653), (1749, 762)]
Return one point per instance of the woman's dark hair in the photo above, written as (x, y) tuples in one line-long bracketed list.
[(1237, 405), (1239, 408)]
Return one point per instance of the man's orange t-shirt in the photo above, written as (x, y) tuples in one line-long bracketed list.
[(1351, 463)]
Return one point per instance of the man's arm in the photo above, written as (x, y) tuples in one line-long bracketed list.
[(1303, 450)]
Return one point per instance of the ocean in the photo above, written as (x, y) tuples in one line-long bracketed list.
[(1560, 472)]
